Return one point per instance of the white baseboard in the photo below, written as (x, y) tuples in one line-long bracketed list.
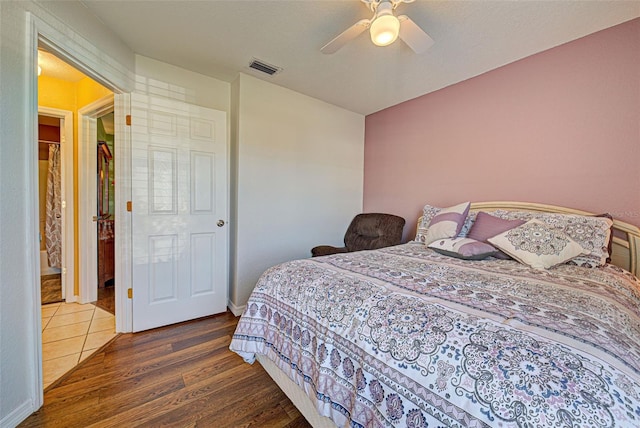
[(18, 415), (235, 310)]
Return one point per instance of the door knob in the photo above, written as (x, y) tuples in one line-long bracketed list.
[(220, 223)]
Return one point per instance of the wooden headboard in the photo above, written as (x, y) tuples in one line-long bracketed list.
[(626, 239)]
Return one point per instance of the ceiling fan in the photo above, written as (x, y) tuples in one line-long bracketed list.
[(385, 28)]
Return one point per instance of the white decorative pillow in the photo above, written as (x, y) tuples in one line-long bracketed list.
[(593, 233), (447, 223), (463, 248), (538, 245), (429, 212)]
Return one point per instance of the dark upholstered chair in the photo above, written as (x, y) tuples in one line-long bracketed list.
[(367, 231)]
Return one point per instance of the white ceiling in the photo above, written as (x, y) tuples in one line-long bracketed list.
[(219, 38)]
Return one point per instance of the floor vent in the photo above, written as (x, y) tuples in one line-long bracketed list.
[(263, 67)]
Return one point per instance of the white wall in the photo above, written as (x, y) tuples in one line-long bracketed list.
[(165, 80), (81, 19), (19, 310), (16, 283), (299, 178), (233, 169)]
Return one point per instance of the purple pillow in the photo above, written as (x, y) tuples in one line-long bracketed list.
[(463, 248), (487, 226)]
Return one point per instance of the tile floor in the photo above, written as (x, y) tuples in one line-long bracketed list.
[(70, 333)]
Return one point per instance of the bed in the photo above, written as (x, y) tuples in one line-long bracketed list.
[(409, 336)]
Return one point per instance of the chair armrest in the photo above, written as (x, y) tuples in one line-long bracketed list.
[(325, 250)]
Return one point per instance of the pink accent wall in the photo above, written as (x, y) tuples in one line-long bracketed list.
[(561, 127)]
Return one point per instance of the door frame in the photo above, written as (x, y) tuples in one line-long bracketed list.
[(68, 212), (88, 196), (46, 29)]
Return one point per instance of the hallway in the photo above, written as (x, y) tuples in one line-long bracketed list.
[(70, 333)]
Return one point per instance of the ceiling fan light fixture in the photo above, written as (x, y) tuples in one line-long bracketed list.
[(384, 30)]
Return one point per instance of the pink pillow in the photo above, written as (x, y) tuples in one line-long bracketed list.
[(487, 226)]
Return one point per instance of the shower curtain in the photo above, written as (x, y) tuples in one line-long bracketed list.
[(53, 224)]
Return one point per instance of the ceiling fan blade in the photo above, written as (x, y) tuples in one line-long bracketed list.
[(346, 36), (414, 36)]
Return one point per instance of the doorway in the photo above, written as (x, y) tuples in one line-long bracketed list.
[(106, 212), (53, 230), (96, 207), (70, 331)]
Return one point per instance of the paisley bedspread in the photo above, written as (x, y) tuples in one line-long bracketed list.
[(403, 336)]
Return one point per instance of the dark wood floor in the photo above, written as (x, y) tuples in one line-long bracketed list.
[(177, 376), (107, 298), (51, 288)]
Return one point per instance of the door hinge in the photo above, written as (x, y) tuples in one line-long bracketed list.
[(130, 293), (128, 120), (129, 206)]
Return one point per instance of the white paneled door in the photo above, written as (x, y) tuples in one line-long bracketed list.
[(179, 211)]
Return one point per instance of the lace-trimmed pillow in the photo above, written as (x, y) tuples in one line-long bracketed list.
[(447, 223), (593, 233), (538, 245)]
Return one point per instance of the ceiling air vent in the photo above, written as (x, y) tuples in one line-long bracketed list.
[(263, 67)]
